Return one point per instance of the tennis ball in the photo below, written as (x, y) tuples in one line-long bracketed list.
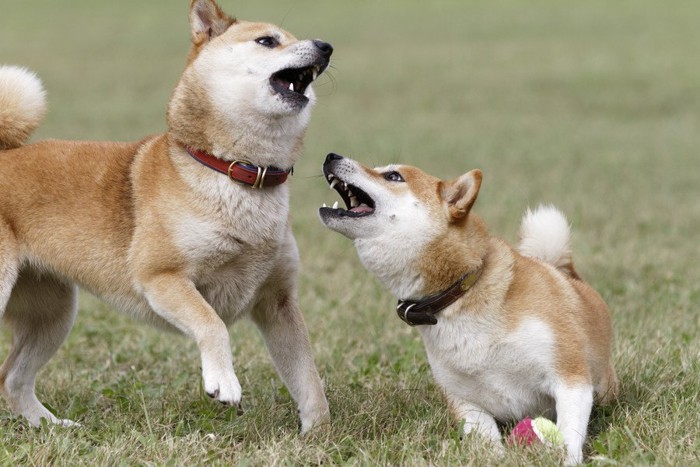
[(538, 430)]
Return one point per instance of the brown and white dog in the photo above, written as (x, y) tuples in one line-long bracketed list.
[(508, 333), (153, 227)]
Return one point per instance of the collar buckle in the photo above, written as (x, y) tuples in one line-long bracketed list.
[(402, 311), (421, 312), (259, 178), (241, 170)]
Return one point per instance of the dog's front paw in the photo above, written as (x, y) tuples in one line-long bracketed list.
[(66, 423), (317, 419), (573, 458), (224, 388)]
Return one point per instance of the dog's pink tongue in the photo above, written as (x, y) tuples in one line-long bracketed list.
[(361, 208)]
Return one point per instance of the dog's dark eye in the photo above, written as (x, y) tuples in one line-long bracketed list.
[(393, 177), (267, 41)]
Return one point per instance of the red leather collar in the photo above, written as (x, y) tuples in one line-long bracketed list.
[(241, 170)]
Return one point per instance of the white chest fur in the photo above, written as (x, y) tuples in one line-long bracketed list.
[(232, 240), (232, 217), (506, 373)]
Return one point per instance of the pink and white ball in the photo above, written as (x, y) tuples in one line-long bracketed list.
[(538, 431)]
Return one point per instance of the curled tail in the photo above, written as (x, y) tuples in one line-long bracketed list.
[(22, 105), (545, 235)]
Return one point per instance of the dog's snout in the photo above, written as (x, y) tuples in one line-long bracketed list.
[(333, 157), (325, 48)]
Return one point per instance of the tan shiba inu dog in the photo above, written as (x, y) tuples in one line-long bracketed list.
[(508, 333), (188, 230)]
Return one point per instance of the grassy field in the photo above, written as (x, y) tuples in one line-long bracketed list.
[(594, 106)]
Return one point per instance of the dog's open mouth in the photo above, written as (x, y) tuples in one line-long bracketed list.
[(292, 82), (357, 202)]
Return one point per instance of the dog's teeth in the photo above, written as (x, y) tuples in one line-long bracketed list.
[(334, 183), (353, 201), (330, 177), (335, 205), (315, 74), (345, 185), (324, 205)]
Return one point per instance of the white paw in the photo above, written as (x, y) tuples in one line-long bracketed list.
[(319, 416), (36, 418), (573, 458), (498, 448), (223, 386), (35, 413), (65, 423)]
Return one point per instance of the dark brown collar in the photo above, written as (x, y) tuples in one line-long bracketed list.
[(424, 311), (241, 170)]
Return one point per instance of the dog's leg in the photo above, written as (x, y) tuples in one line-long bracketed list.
[(175, 298), (40, 313), (475, 419), (9, 265), (282, 325), (607, 389), (573, 404)]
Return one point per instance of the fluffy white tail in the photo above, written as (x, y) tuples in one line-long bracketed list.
[(22, 105), (545, 235)]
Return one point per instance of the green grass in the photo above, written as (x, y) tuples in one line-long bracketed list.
[(594, 106)]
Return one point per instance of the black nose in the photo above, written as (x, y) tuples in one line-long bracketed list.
[(333, 157), (325, 48)]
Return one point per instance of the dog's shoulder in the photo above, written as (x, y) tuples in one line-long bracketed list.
[(492, 288)]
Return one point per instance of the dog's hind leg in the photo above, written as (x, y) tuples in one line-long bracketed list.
[(573, 405), (607, 390), (40, 313), (9, 265)]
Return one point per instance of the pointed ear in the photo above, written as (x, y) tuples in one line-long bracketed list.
[(207, 20), (460, 194)]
